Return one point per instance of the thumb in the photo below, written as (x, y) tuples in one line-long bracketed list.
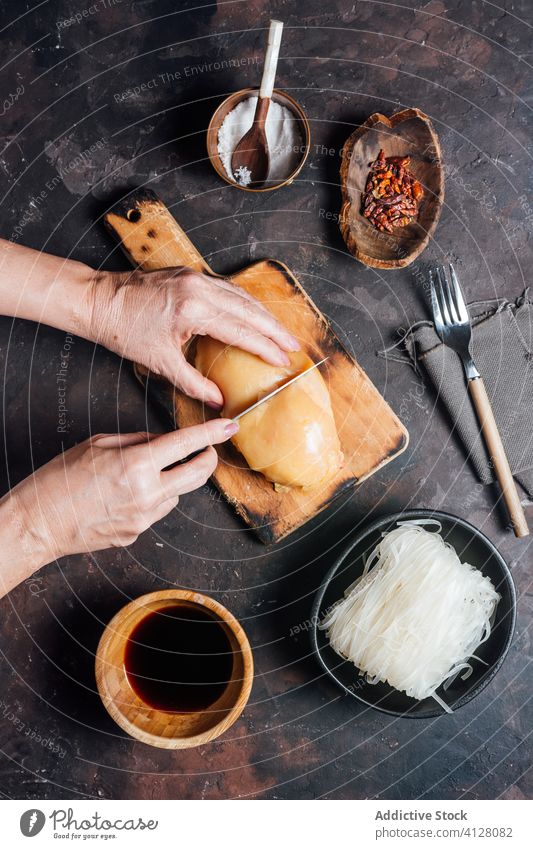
[(194, 384)]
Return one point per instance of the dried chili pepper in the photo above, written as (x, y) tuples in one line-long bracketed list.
[(392, 195)]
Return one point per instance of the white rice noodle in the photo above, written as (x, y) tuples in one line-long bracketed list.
[(417, 614)]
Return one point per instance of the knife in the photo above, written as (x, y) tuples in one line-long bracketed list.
[(279, 389)]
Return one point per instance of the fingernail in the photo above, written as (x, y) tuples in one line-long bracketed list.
[(293, 342), (214, 405), (231, 429), (283, 359)]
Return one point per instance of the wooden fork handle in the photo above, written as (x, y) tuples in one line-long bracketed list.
[(498, 456)]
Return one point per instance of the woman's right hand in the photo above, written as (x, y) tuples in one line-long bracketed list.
[(110, 488)]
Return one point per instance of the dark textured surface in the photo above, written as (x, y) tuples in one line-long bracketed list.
[(464, 64)]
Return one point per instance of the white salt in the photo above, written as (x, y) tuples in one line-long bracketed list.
[(243, 175), (285, 143)]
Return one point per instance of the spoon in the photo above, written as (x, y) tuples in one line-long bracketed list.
[(250, 161)]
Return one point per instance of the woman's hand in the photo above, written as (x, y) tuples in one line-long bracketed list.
[(145, 317), (102, 493), (148, 317)]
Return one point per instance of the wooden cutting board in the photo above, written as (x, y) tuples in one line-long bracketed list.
[(370, 433)]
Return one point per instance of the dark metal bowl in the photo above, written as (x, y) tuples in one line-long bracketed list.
[(471, 546)]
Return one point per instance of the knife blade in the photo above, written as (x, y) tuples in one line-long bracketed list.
[(279, 389)]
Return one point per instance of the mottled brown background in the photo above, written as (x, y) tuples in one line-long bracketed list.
[(467, 66)]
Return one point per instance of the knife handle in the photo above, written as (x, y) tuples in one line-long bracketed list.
[(498, 456)]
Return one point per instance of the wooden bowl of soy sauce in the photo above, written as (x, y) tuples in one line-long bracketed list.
[(174, 669)]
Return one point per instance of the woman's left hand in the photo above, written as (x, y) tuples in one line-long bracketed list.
[(148, 317)]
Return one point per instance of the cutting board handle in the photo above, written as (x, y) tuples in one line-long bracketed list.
[(149, 234)]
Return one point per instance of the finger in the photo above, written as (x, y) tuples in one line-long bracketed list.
[(253, 312), (121, 440), (164, 509), (195, 385), (228, 286), (233, 332), (170, 447), (175, 368), (191, 475)]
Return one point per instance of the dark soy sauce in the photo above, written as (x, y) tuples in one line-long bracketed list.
[(179, 659)]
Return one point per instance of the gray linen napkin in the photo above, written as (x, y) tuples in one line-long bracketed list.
[(502, 346)]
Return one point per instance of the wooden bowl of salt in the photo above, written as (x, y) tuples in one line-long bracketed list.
[(288, 135)]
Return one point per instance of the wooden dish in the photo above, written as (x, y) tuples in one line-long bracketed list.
[(161, 728), (406, 133), (230, 103)]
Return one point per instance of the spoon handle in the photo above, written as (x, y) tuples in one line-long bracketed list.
[(271, 59)]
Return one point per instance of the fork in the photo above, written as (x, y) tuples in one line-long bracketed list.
[(453, 326)]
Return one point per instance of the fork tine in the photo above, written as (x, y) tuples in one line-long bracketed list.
[(441, 292), (437, 315), (462, 309), (435, 308), (449, 294)]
